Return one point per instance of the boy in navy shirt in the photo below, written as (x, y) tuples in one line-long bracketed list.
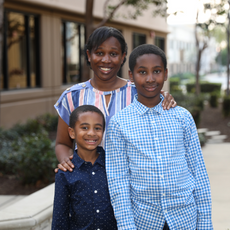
[(81, 197), (154, 163)]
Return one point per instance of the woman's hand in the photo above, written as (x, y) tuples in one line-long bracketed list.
[(169, 101), (65, 165)]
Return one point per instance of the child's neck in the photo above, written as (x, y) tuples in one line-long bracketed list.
[(152, 102), (88, 155)]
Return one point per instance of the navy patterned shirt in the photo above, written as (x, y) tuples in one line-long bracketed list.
[(82, 198)]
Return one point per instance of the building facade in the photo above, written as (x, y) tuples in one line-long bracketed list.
[(43, 51)]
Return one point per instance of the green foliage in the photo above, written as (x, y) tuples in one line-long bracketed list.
[(192, 103), (222, 57), (205, 87), (226, 106), (27, 151), (213, 100)]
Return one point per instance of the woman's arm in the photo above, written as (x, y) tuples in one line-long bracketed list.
[(63, 147), (168, 100)]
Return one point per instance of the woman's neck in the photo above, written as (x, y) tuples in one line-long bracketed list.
[(108, 86)]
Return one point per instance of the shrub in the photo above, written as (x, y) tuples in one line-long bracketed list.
[(27, 151), (226, 106), (192, 103), (213, 100), (205, 87)]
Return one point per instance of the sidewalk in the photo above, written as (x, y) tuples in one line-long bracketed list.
[(217, 161)]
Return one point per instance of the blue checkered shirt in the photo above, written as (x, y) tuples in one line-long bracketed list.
[(155, 169)]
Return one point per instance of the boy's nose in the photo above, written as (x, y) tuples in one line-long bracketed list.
[(150, 78), (91, 132)]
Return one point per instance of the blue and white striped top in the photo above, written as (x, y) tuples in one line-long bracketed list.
[(85, 94)]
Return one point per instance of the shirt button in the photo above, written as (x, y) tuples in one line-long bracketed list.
[(161, 176), (159, 157), (156, 138), (93, 173), (98, 211), (85, 162), (95, 191), (165, 211), (163, 194)]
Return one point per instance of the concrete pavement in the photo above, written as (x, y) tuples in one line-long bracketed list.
[(217, 161)]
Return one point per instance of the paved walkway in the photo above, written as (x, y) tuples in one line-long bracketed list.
[(217, 161)]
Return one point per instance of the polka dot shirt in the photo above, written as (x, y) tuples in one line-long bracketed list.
[(82, 198)]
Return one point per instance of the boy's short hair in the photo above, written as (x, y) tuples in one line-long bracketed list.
[(100, 35), (146, 49), (83, 109)]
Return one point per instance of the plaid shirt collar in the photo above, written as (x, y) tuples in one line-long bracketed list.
[(141, 109)]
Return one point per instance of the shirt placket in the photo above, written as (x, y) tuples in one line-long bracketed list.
[(96, 196)]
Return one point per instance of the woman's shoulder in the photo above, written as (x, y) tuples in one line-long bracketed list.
[(77, 87)]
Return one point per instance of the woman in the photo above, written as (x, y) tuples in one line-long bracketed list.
[(105, 53)]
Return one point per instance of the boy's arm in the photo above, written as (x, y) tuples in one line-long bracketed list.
[(61, 207), (195, 161), (117, 169)]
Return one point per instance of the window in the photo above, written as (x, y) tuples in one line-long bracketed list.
[(73, 43), (20, 51), (160, 42), (138, 39)]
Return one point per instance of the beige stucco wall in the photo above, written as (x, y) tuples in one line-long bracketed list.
[(19, 105)]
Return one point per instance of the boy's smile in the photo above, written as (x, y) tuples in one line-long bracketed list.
[(149, 76), (88, 133)]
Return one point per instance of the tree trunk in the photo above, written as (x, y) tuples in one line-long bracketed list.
[(199, 51), (1, 38), (88, 30)]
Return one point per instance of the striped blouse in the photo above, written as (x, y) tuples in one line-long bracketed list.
[(85, 94)]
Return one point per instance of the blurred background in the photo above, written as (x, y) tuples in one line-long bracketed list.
[(42, 54)]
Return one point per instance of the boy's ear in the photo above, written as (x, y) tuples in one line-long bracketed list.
[(71, 133), (131, 76), (166, 75), (88, 55)]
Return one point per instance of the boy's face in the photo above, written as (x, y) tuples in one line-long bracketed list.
[(149, 76), (88, 131)]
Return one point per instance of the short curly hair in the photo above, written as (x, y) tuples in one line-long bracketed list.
[(146, 49), (100, 35), (83, 109)]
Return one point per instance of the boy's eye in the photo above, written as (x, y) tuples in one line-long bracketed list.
[(84, 127), (142, 72), (113, 54), (156, 71), (98, 128)]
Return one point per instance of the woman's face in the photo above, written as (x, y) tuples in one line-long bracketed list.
[(106, 60)]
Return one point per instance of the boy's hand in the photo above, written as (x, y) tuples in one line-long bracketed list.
[(168, 100), (66, 164)]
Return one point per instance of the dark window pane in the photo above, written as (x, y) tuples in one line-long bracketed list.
[(19, 55), (160, 42), (73, 51), (138, 39)]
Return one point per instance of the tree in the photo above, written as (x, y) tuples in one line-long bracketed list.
[(205, 30), (136, 9), (1, 41), (1, 35)]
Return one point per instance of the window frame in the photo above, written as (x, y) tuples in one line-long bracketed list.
[(5, 73)]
